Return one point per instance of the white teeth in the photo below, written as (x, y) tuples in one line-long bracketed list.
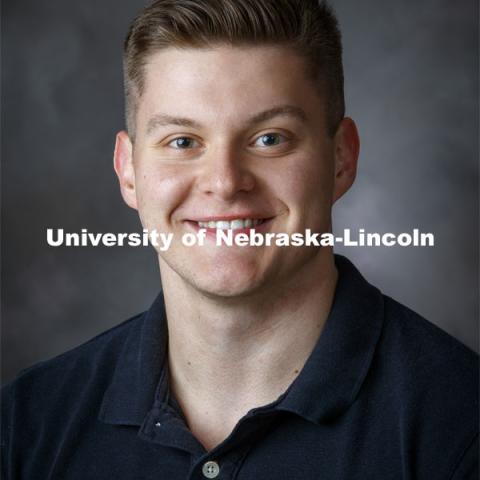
[(233, 225), (222, 225), (237, 224)]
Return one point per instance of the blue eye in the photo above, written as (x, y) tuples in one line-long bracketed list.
[(269, 140), (183, 143)]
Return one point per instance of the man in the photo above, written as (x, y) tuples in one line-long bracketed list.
[(262, 362)]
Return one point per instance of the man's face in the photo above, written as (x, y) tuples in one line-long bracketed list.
[(223, 135)]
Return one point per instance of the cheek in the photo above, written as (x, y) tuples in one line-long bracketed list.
[(160, 191), (306, 181)]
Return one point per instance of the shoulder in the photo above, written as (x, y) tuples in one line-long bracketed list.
[(63, 376), (57, 399), (417, 346), (431, 382)]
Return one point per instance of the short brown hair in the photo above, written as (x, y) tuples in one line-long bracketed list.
[(307, 26)]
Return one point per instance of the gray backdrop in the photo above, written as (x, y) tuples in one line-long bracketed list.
[(411, 84)]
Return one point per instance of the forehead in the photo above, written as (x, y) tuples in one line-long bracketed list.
[(226, 83)]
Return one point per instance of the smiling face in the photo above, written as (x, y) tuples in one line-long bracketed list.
[(232, 137)]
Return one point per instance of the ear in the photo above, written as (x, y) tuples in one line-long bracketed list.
[(347, 148), (123, 165)]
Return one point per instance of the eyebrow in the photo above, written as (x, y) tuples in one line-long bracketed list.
[(280, 111), (164, 120)]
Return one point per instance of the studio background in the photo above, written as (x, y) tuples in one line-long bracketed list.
[(411, 70)]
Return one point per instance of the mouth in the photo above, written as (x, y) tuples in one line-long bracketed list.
[(236, 225)]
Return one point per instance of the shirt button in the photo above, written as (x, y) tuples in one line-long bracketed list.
[(210, 469)]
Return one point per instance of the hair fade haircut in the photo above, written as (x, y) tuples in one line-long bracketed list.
[(309, 27)]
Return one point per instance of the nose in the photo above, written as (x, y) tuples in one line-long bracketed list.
[(224, 174)]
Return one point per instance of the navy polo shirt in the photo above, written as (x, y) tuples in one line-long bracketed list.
[(384, 395)]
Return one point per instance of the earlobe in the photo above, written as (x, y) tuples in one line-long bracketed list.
[(123, 165), (347, 148)]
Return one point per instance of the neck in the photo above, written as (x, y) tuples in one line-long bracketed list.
[(227, 356)]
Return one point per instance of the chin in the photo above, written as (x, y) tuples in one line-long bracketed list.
[(227, 283), (226, 274), (224, 292)]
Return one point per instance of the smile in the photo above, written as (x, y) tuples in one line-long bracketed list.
[(235, 224)]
